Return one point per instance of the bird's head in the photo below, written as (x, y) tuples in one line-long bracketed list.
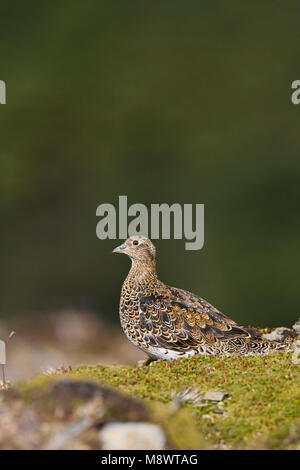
[(139, 249)]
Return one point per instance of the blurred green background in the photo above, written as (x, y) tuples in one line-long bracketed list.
[(169, 101)]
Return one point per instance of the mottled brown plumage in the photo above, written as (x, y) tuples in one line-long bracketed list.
[(168, 323)]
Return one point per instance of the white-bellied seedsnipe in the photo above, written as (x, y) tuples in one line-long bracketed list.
[(169, 323)]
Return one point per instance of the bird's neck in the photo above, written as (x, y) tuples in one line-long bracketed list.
[(142, 274)]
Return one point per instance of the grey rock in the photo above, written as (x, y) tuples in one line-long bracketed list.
[(115, 404), (63, 414), (60, 439), (187, 395), (279, 334), (296, 327), (296, 353), (132, 436), (207, 416), (215, 395), (196, 397)]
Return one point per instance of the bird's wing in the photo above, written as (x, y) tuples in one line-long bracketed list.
[(176, 319)]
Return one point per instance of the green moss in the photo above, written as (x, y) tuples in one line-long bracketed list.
[(262, 409), (37, 384), (263, 403)]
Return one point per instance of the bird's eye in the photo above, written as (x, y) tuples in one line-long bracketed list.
[(135, 242)]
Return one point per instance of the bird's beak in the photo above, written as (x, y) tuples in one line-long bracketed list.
[(119, 249)]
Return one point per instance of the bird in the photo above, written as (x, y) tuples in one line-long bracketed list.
[(169, 323)]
